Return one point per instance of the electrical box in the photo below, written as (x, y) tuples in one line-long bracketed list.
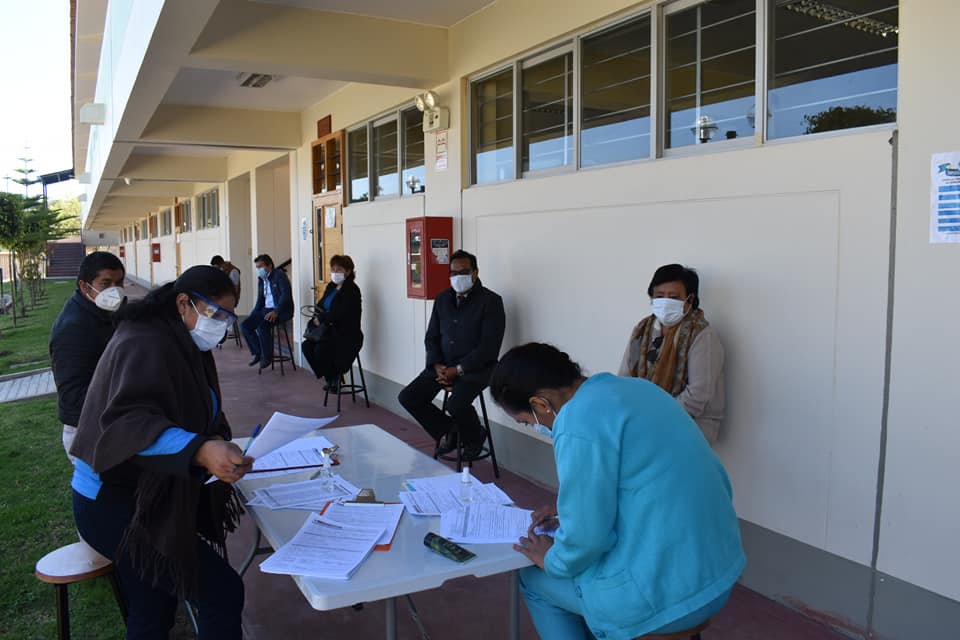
[(436, 119), (155, 251), (429, 243)]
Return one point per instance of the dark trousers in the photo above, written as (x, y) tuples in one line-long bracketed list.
[(258, 333), (329, 358), (417, 398), (151, 609)]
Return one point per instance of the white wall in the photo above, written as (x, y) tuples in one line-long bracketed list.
[(921, 522), (240, 251), (166, 270)]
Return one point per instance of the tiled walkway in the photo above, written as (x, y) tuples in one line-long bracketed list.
[(33, 384), (463, 609)]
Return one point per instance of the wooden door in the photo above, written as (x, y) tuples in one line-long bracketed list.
[(327, 235)]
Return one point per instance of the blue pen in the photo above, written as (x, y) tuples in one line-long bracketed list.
[(249, 442)]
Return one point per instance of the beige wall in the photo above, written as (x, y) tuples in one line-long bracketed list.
[(921, 524)]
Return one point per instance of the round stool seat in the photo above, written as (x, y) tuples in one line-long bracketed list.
[(678, 635), (72, 563)]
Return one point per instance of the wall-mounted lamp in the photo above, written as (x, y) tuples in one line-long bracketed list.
[(128, 181), (434, 117), (704, 129)]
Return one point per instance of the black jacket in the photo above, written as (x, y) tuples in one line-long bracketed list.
[(344, 315), (77, 340), (469, 335), (282, 294)]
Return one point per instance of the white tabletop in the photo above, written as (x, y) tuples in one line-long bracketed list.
[(372, 458)]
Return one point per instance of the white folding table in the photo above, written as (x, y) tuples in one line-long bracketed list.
[(372, 458)]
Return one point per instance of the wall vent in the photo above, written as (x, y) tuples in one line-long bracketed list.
[(254, 80)]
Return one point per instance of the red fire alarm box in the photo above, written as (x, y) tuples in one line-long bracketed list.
[(123, 251), (155, 251), (429, 246)]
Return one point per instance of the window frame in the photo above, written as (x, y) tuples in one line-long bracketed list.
[(385, 117)]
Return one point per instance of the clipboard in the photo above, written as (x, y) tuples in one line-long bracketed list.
[(368, 504)]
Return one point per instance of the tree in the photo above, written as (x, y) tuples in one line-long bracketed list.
[(11, 230), (836, 118)]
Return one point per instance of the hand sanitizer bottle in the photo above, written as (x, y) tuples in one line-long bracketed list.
[(326, 473), (466, 485)]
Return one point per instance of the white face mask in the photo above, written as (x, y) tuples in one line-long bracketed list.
[(208, 332), (109, 299), (461, 284), (668, 311), (338, 277)]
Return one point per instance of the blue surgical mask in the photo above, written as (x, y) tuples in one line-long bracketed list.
[(539, 428), (262, 272)]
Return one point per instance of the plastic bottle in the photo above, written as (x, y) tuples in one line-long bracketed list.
[(466, 485), (326, 473)]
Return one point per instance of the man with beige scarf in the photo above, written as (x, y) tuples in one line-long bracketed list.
[(677, 349)]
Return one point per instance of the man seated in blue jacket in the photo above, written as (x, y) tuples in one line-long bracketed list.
[(81, 333), (463, 342), (274, 304)]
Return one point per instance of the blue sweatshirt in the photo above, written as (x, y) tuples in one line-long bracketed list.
[(647, 532)]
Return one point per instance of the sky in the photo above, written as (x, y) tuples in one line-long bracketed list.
[(35, 109)]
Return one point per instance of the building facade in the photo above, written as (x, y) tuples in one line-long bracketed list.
[(781, 147)]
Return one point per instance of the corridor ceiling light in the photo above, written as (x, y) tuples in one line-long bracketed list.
[(128, 181), (93, 113), (830, 13)]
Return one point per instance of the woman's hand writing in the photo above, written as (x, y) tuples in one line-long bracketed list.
[(223, 459), (543, 515), (535, 547)]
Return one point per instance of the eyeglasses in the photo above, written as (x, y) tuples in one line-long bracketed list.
[(213, 310), (654, 351)]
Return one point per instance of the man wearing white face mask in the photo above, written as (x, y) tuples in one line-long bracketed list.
[(676, 348), (81, 333), (463, 343)]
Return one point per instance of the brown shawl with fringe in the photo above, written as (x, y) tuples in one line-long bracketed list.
[(669, 371), (151, 377)]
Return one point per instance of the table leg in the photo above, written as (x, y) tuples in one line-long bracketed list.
[(391, 618), (513, 631)]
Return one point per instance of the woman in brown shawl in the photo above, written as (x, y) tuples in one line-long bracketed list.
[(677, 349), (150, 434)]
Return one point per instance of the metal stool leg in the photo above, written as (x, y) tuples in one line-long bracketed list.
[(489, 434), (63, 612), (363, 382), (278, 347), (289, 347), (353, 386)]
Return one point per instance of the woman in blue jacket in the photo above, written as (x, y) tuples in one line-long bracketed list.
[(644, 535)]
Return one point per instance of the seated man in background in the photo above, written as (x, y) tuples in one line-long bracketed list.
[(676, 348), (274, 304), (81, 333), (230, 269), (463, 342)]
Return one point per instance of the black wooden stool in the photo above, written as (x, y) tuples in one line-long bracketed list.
[(689, 634), (486, 449), (343, 388)]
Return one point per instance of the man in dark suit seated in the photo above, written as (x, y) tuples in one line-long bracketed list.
[(274, 304), (463, 342)]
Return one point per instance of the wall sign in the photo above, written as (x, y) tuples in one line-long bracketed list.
[(945, 197), (441, 154)]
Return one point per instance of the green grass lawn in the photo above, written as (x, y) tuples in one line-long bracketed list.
[(35, 503), (25, 347)]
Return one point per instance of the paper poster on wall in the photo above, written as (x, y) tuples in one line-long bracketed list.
[(303, 228), (945, 198), (441, 154), (330, 217), (441, 250)]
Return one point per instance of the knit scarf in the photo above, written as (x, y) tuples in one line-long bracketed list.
[(669, 370)]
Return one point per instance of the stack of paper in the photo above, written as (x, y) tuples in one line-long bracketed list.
[(433, 495), (485, 523), (368, 514), (299, 453), (323, 548), (310, 494)]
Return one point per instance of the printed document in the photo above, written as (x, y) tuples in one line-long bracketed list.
[(485, 523), (282, 429), (299, 453), (367, 514), (323, 548), (433, 503), (310, 494)]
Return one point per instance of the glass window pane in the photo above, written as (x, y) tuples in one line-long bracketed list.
[(546, 126), (492, 126), (414, 171), (832, 69), (385, 159), (615, 88), (710, 72), (359, 181)]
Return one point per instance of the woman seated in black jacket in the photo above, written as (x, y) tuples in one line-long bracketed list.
[(333, 338)]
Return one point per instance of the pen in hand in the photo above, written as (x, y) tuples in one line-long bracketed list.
[(256, 432)]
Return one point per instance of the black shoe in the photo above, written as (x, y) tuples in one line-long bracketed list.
[(472, 451), (255, 360), (449, 443), (264, 364)]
